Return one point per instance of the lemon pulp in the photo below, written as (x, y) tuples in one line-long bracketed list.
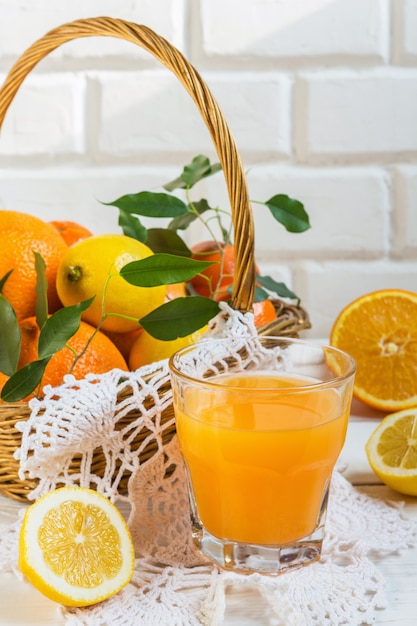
[(392, 451), (75, 547)]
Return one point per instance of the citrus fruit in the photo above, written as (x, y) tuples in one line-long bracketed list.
[(71, 232), (20, 236), (100, 357), (75, 547), (176, 290), (392, 451), (147, 349), (124, 341), (379, 330), (214, 281), (91, 268), (264, 312), (3, 381)]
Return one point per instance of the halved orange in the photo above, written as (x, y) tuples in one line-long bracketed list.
[(75, 547), (379, 330)]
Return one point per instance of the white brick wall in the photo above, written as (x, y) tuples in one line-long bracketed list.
[(321, 96), (349, 116), (46, 117), (151, 109), (301, 30), (404, 243)]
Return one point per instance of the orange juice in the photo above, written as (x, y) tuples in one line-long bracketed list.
[(260, 453)]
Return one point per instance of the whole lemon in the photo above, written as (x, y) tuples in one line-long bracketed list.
[(91, 268), (147, 349)]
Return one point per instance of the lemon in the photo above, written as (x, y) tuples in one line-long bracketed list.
[(84, 272), (392, 451), (146, 349), (75, 547)]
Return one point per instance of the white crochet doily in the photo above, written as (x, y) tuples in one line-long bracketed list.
[(173, 584)]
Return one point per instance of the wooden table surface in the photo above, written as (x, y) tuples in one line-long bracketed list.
[(22, 605)]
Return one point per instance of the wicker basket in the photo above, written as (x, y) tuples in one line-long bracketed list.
[(290, 319)]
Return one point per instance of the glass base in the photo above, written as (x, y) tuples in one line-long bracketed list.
[(254, 558)]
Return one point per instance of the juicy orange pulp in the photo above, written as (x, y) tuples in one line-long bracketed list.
[(379, 330)]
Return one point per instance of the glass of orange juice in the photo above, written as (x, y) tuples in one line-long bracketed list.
[(260, 424)]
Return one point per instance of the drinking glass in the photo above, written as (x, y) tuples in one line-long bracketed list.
[(260, 424)]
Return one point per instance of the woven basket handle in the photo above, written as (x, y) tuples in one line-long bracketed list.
[(244, 280)]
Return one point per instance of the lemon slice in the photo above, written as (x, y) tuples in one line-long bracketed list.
[(392, 451), (75, 547)]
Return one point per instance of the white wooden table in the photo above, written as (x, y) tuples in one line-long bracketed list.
[(21, 605)]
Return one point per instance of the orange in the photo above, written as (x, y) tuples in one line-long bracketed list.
[(148, 349), (3, 381), (71, 232), (91, 268), (100, 357), (379, 330), (214, 281), (264, 312), (176, 290), (124, 341), (20, 235), (75, 547)]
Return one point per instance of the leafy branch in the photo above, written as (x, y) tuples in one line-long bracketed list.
[(167, 242), (288, 212), (57, 329), (55, 332), (170, 264)]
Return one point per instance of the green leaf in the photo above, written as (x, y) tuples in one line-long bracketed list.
[(289, 212), (150, 204), (60, 327), (132, 226), (168, 241), (179, 317), (183, 221), (177, 183), (279, 288), (226, 235), (260, 294), (41, 308), (3, 280), (162, 269), (24, 381), (199, 168), (10, 338)]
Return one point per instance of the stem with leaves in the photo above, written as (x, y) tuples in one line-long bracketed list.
[(171, 263), (288, 212)]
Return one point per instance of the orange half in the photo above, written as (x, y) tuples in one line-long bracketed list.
[(379, 330)]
